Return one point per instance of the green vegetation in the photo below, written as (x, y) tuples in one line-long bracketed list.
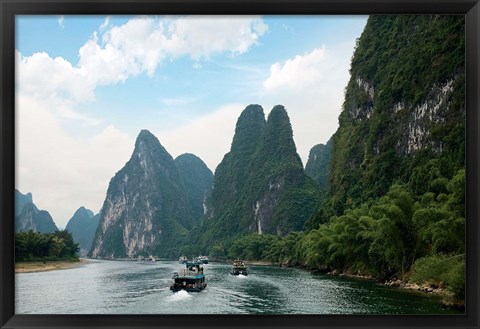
[(442, 271), (34, 246), (383, 239)]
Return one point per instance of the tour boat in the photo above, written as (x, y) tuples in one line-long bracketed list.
[(190, 279), (182, 260), (239, 267)]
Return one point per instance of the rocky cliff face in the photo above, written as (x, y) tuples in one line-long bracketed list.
[(260, 185), (146, 210), (29, 217), (404, 104), (83, 226), (318, 164)]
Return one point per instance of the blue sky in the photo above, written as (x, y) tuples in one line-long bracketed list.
[(86, 86)]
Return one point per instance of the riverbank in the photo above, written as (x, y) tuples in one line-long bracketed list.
[(32, 267), (447, 299)]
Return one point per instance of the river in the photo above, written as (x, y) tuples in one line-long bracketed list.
[(124, 287)]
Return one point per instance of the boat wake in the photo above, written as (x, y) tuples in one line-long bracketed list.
[(180, 295), (241, 276)]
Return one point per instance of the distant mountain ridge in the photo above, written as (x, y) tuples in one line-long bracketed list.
[(83, 226), (29, 217)]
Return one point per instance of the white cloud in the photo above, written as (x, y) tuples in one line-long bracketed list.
[(201, 37), (301, 71), (142, 43), (45, 77), (208, 137), (105, 24), (135, 47)]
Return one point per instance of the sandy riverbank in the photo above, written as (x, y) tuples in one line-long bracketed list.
[(31, 267)]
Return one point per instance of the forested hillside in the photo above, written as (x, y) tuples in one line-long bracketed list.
[(260, 186), (403, 115)]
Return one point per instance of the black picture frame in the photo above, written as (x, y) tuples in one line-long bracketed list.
[(10, 8)]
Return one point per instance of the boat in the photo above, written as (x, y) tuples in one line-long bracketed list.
[(203, 259), (191, 279), (182, 260), (239, 267)]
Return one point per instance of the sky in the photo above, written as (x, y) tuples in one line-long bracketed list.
[(87, 85)]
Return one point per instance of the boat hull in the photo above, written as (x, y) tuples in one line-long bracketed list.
[(193, 289), (193, 283)]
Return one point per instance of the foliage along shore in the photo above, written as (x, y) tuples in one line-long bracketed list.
[(45, 247), (417, 240)]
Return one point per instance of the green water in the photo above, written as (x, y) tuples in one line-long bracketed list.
[(116, 287)]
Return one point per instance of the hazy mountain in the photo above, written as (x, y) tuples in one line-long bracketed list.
[(29, 217), (83, 226)]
